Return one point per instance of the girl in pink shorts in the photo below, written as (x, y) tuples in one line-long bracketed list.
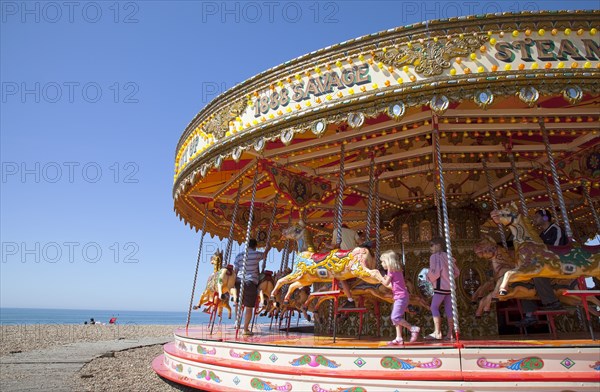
[(394, 280)]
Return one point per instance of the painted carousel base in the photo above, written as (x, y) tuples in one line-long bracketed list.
[(303, 362)]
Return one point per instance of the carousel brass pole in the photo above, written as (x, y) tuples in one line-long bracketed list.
[(286, 247), (522, 204), (197, 266), (439, 212), (283, 253), (268, 240), (370, 202), (556, 179), (236, 204), (438, 154), (238, 318), (492, 193), (377, 223), (287, 259), (338, 216), (590, 202), (550, 198), (340, 198)]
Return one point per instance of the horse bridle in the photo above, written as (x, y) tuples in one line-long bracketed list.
[(512, 216)]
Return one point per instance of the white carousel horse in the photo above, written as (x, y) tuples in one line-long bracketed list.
[(536, 260), (218, 285), (311, 267)]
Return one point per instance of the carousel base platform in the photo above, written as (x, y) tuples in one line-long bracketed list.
[(296, 361)]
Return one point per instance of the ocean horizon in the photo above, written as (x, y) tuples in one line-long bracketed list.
[(14, 316)]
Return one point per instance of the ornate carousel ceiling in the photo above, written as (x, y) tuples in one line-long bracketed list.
[(505, 93)]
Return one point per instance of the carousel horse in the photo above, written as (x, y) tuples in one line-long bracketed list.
[(265, 287), (371, 292), (311, 267), (537, 260), (218, 285), (502, 262), (295, 303)]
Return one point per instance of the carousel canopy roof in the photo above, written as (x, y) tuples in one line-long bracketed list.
[(492, 90)]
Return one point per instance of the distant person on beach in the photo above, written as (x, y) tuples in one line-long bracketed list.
[(92, 321), (394, 280), (250, 279)]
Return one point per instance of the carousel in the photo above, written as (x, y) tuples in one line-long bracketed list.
[(459, 128)]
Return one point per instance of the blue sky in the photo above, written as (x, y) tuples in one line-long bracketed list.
[(94, 98)]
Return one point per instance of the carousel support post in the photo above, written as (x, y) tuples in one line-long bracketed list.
[(340, 198), (492, 193), (287, 261), (268, 240), (370, 200), (439, 212), (438, 154), (588, 198), (187, 324), (377, 223), (238, 318), (522, 204), (286, 247), (236, 204), (338, 216), (403, 257), (550, 198), (556, 179)]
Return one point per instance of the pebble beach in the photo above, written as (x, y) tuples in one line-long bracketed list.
[(83, 357)]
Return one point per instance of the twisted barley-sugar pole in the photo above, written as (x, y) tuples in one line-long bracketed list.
[(492, 193), (268, 240), (286, 247), (202, 232), (238, 318), (340, 198), (588, 198), (227, 255), (438, 154), (556, 179), (522, 204), (549, 193), (377, 223), (438, 208), (370, 200)]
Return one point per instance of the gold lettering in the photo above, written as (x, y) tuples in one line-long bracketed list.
[(311, 87), (545, 49), (504, 52), (525, 47), (333, 81), (298, 90), (592, 50), (568, 49), (362, 74)]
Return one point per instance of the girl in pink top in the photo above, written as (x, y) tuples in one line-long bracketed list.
[(439, 277), (394, 280)]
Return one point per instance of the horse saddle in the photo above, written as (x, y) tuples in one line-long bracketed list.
[(559, 249), (266, 276), (340, 254), (229, 269)]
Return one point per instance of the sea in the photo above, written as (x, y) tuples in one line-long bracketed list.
[(18, 316)]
